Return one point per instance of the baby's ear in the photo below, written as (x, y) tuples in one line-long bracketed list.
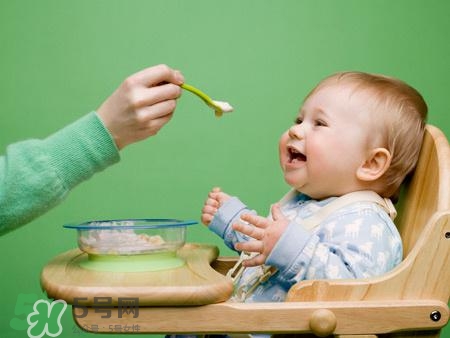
[(376, 164)]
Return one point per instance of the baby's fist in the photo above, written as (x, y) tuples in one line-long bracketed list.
[(216, 198)]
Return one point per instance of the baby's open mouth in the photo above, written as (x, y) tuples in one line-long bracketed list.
[(295, 155)]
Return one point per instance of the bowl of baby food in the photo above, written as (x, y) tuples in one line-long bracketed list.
[(131, 236), (131, 245)]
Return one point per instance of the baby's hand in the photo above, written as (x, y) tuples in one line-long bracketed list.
[(216, 198), (265, 232)]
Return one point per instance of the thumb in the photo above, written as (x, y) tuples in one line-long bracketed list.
[(277, 214)]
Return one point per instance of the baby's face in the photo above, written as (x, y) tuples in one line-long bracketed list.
[(320, 153)]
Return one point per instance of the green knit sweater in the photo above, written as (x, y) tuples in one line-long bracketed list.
[(36, 175)]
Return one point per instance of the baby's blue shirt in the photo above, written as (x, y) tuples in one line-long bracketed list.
[(357, 241)]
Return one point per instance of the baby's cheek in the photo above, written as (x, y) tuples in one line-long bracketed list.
[(282, 146)]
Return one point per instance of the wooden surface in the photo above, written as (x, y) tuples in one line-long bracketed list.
[(351, 317), (194, 283), (428, 191)]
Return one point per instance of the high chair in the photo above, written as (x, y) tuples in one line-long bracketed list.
[(410, 300)]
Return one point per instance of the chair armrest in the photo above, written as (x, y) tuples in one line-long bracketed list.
[(321, 318)]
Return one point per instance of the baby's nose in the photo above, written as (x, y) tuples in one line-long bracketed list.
[(296, 132)]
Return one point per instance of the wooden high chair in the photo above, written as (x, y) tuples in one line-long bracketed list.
[(410, 300)]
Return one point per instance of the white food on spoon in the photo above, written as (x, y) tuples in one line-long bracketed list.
[(225, 106)]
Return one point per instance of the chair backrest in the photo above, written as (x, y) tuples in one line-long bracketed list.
[(424, 224), (427, 191)]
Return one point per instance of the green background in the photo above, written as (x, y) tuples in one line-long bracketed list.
[(60, 59)]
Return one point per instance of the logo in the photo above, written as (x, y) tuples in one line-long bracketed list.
[(44, 317), (41, 317)]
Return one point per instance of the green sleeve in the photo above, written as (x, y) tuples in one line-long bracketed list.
[(36, 175)]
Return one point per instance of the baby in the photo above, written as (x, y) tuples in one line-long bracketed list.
[(356, 137)]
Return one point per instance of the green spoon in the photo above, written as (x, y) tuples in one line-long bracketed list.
[(219, 107)]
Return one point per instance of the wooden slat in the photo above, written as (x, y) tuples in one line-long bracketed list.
[(351, 317)]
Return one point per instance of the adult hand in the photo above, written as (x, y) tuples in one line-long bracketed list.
[(142, 104)]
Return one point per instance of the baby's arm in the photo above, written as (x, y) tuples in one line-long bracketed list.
[(357, 244), (220, 211)]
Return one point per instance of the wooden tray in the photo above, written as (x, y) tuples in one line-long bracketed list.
[(194, 283)]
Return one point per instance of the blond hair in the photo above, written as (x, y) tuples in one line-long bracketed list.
[(399, 118)]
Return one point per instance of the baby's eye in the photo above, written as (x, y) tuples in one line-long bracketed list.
[(320, 123), (298, 120)]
